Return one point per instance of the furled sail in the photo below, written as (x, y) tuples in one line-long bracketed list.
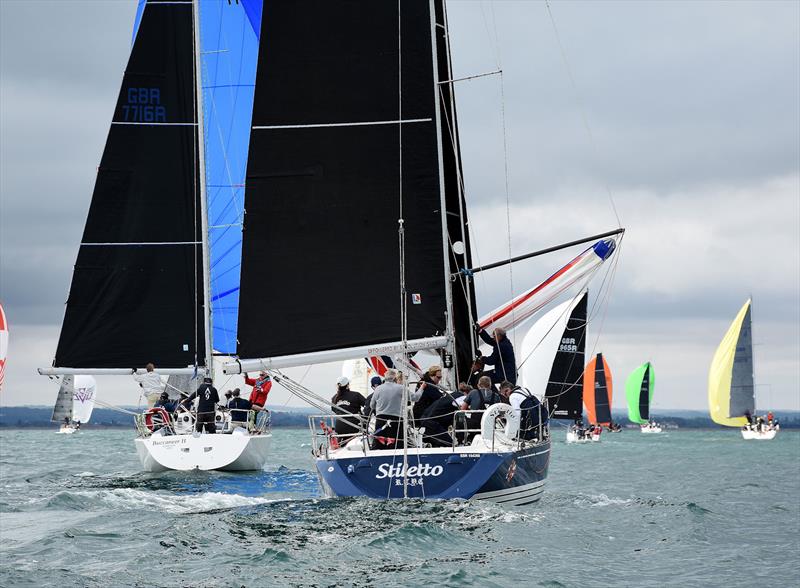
[(345, 141), (526, 304), (730, 379), (553, 355), (597, 391), (136, 293), (639, 392), (229, 54)]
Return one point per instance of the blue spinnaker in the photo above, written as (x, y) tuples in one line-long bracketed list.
[(229, 55)]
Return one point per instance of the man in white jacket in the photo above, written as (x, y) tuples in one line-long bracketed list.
[(151, 384)]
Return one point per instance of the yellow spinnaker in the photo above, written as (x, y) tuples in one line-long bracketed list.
[(719, 375)]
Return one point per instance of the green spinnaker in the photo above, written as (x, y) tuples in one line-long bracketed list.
[(639, 392)]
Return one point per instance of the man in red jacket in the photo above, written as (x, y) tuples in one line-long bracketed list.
[(261, 388)]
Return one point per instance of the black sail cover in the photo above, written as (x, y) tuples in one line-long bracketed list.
[(565, 386), (136, 293), (320, 256)]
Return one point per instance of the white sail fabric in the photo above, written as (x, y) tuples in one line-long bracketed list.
[(513, 313), (540, 345), (83, 397), (3, 345), (359, 372), (63, 406)]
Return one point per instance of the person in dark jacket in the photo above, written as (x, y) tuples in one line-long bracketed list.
[(374, 382), (430, 392), (502, 357), (207, 399), (239, 407), (350, 403), (438, 418), (165, 403)]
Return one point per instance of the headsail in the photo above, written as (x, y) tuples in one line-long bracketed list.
[(136, 293), (597, 391), (328, 179), (730, 379), (553, 355), (639, 392), (83, 397), (63, 406)]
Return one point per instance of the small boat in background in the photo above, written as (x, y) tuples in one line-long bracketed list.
[(731, 390), (597, 394), (639, 393), (74, 403), (3, 345)]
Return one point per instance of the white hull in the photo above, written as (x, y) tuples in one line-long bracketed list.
[(651, 430), (66, 430), (572, 437), (235, 452), (761, 436)]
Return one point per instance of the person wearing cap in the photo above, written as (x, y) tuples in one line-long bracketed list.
[(207, 399), (387, 405), (239, 407), (346, 402), (429, 392), (166, 403), (438, 419), (261, 387), (374, 382)]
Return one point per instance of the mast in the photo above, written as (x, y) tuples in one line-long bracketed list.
[(450, 348), (201, 177)]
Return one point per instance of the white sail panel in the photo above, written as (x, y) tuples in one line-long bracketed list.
[(63, 406), (83, 396)]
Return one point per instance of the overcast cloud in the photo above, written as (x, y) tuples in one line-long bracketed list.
[(694, 110)]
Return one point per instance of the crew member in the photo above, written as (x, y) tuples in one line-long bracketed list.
[(151, 384), (239, 407), (438, 419), (502, 357), (207, 399), (261, 387), (165, 403), (346, 402), (429, 392), (374, 382), (387, 405), (526, 414)]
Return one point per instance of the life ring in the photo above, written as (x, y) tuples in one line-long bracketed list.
[(155, 419), (493, 423)]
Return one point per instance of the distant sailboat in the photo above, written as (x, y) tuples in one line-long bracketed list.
[(731, 391), (639, 393), (597, 393), (74, 403)]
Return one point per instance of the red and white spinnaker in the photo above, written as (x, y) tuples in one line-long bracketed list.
[(526, 304)]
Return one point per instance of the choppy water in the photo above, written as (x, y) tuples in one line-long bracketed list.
[(682, 508)]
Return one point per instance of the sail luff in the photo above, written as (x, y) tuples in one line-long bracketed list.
[(448, 285), (200, 177), (63, 406), (721, 374)]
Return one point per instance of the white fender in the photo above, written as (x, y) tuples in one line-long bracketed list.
[(497, 422), (183, 422)]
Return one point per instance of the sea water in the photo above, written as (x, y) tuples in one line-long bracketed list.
[(684, 508)]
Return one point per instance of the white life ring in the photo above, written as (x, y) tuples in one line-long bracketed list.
[(493, 423)]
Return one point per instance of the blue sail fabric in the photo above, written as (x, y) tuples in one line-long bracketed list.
[(229, 34)]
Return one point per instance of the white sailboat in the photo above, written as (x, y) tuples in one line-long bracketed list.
[(74, 403), (731, 389)]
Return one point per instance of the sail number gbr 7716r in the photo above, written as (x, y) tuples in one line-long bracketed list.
[(144, 105)]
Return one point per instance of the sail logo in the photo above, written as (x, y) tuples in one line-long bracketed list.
[(83, 394), (386, 470), (144, 105)]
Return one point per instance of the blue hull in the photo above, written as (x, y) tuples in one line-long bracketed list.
[(516, 477)]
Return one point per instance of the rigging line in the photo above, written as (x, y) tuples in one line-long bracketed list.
[(196, 156), (114, 407), (508, 198), (466, 78), (579, 101), (606, 297)]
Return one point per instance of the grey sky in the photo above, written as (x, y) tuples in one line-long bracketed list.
[(694, 108)]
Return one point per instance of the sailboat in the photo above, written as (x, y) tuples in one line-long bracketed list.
[(552, 355), (597, 394), (639, 393), (160, 252), (74, 403), (731, 390), (3, 345)]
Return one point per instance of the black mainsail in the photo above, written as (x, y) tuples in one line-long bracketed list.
[(137, 288), (348, 137)]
